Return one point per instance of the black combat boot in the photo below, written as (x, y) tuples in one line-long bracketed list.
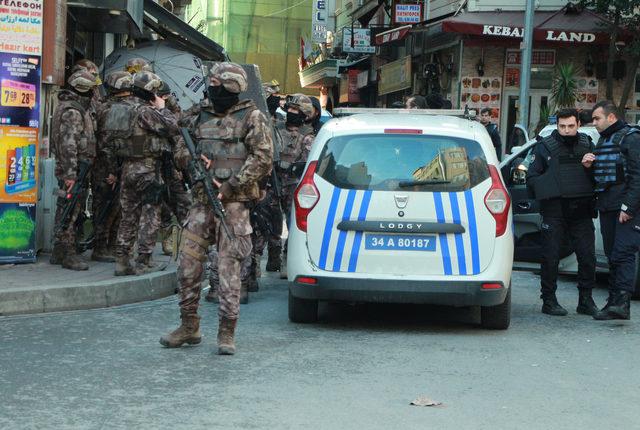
[(618, 307), (273, 261), (586, 305), (550, 306)]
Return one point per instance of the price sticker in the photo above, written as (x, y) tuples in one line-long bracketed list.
[(17, 94)]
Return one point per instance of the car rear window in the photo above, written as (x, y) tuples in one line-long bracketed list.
[(403, 163)]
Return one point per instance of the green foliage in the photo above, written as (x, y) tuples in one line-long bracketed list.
[(543, 118), (564, 89), (16, 229)]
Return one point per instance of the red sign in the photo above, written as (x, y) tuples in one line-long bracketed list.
[(392, 35)]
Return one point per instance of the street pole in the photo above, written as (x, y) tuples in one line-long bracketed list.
[(525, 65)]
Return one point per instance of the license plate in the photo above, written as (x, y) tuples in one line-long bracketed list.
[(400, 242)]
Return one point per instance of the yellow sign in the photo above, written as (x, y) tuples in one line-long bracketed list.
[(17, 94), (395, 76)]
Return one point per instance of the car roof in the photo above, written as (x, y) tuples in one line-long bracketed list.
[(430, 124)]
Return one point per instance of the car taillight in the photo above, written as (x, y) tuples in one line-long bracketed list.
[(497, 201), (305, 197)]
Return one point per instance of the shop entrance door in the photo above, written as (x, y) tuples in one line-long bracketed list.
[(538, 99)]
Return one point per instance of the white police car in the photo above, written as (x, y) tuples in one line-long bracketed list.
[(402, 207)]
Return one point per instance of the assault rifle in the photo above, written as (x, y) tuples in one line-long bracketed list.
[(73, 196), (198, 173)]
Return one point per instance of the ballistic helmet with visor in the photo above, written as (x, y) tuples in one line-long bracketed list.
[(231, 75), (147, 81), (301, 102), (118, 81), (136, 65), (83, 81)]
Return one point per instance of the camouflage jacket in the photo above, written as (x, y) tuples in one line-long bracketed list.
[(72, 133), (295, 149), (242, 132), (106, 159)]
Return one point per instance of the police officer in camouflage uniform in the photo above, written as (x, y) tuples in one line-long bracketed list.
[(72, 142), (234, 140), (136, 65), (149, 124), (296, 144), (106, 170)]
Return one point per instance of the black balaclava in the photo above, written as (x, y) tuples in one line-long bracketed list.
[(295, 119), (273, 103), (221, 98)]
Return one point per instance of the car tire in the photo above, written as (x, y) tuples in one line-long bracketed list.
[(497, 317), (302, 310)]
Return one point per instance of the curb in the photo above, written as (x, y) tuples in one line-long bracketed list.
[(102, 294)]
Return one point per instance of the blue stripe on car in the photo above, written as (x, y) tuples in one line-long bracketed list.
[(473, 232), (455, 212), (357, 240), (342, 236), (444, 245), (328, 227)]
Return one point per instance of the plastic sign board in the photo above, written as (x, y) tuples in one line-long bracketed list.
[(407, 13)]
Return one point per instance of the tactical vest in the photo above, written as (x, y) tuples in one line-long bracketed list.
[(86, 146), (129, 140), (221, 139), (609, 167), (566, 165), (291, 145)]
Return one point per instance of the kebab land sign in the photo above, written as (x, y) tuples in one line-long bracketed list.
[(20, 63), (482, 92)]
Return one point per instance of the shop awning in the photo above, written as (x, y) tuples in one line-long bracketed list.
[(359, 64), (108, 16), (561, 26), (392, 35), (175, 30), (365, 13)]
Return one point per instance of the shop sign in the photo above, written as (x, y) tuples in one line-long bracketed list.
[(480, 92), (21, 27), (395, 76), (349, 88), (549, 35), (392, 35), (320, 21), (407, 13), (363, 79), (539, 57), (361, 40)]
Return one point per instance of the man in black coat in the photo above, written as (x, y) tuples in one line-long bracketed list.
[(616, 166), (566, 191), (492, 129)]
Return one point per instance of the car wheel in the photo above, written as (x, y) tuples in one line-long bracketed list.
[(302, 310), (497, 317)]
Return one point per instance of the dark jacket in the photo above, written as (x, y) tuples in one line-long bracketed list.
[(492, 129), (563, 207), (624, 196)]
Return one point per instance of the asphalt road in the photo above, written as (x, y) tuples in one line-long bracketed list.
[(357, 369)]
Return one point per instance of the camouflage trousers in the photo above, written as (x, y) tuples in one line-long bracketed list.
[(67, 237), (106, 220), (201, 229), (137, 177), (178, 202)]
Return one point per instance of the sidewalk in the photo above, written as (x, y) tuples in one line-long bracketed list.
[(42, 287)]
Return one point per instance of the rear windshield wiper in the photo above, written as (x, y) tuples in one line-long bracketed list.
[(405, 184)]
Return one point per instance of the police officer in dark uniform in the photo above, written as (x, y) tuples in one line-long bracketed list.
[(616, 166), (565, 189)]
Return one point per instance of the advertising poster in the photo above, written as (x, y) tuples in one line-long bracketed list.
[(18, 169), (587, 92), (17, 233), (21, 27), (482, 92), (19, 90)]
